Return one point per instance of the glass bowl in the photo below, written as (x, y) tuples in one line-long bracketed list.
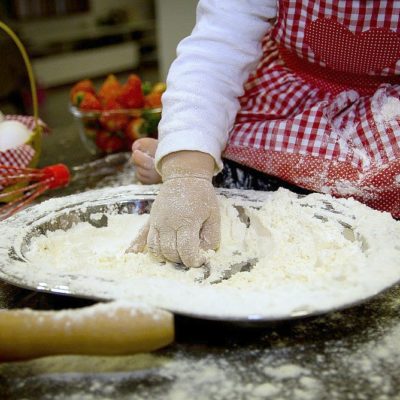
[(112, 131)]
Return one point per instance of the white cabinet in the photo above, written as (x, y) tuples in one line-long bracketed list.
[(69, 67), (68, 48), (175, 20)]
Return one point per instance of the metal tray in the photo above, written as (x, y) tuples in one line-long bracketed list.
[(65, 212)]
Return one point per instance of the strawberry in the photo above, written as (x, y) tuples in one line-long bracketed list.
[(101, 139), (112, 105), (90, 102), (77, 97), (85, 85), (159, 87), (110, 89), (113, 121), (90, 132), (152, 120), (131, 95), (134, 79), (108, 142), (137, 128), (153, 100), (114, 144), (146, 87)]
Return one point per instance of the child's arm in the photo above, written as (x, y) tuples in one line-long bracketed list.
[(207, 77), (199, 108)]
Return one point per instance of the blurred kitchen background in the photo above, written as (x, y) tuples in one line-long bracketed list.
[(70, 40)]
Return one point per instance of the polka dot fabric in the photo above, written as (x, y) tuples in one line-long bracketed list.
[(315, 110), (349, 35)]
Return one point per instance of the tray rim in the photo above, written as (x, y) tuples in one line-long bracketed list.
[(149, 193)]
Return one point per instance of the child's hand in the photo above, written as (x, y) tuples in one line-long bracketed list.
[(185, 218), (143, 151)]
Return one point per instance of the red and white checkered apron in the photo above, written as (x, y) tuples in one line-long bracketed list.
[(322, 108)]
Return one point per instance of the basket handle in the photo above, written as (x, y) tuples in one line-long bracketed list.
[(28, 66)]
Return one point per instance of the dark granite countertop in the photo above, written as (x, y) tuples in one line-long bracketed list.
[(352, 354)]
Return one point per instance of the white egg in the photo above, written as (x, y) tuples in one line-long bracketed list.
[(13, 134)]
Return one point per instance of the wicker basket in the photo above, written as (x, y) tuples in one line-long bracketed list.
[(35, 140)]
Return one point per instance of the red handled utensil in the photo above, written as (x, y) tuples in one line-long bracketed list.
[(20, 186), (28, 184)]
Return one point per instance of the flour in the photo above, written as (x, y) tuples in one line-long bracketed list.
[(285, 371), (219, 376), (286, 256), (314, 360), (110, 310)]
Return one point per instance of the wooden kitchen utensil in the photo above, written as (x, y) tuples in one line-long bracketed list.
[(115, 328)]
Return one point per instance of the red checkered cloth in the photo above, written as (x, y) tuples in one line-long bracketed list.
[(322, 109), (22, 155), (28, 121)]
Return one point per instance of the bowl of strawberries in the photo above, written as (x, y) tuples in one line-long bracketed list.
[(112, 117)]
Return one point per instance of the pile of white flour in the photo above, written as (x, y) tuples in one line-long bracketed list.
[(290, 256)]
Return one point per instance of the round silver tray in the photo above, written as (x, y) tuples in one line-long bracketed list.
[(65, 212)]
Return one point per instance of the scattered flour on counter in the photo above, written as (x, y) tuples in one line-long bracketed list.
[(359, 366), (289, 256), (110, 310), (285, 371), (3, 296)]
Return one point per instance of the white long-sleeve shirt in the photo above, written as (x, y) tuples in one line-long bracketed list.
[(207, 77)]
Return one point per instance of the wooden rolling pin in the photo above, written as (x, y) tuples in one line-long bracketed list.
[(114, 328)]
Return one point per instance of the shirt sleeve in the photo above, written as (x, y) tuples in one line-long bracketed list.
[(207, 77)]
